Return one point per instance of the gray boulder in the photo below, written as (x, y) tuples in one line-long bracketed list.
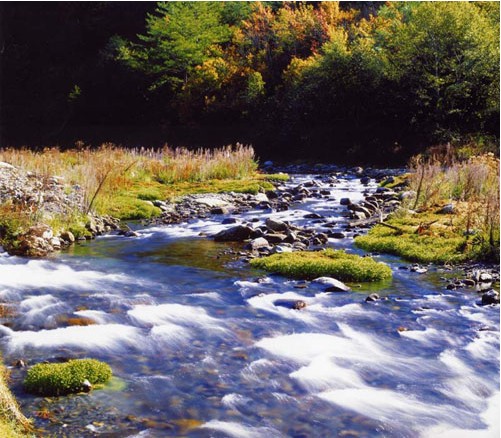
[(234, 234), (276, 225), (258, 243)]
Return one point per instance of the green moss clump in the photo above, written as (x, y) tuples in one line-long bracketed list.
[(54, 379), (339, 264)]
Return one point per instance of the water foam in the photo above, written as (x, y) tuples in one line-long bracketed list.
[(238, 430), (109, 337), (43, 273)]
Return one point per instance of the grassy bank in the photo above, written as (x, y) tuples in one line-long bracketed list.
[(452, 216), (124, 182), (13, 423)]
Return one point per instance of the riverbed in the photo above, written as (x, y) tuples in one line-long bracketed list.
[(200, 345)]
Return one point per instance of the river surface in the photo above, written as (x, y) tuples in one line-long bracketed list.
[(200, 349)]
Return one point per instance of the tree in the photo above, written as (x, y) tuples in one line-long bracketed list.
[(445, 58), (179, 36)]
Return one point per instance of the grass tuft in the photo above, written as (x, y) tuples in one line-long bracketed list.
[(338, 264)]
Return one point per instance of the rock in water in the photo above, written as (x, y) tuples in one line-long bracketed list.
[(276, 225), (258, 243), (332, 284), (234, 234), (291, 304), (490, 297), (372, 297)]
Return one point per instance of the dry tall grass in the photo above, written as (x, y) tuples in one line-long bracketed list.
[(110, 167)]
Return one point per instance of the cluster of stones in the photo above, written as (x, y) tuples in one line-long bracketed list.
[(203, 206), (39, 240), (480, 279), (276, 236)]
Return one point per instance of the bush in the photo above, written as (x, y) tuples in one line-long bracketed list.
[(339, 264), (65, 378)]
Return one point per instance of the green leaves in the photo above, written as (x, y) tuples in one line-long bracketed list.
[(179, 36)]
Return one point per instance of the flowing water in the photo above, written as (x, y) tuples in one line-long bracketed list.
[(199, 348)]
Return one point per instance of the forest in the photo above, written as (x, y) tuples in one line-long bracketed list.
[(342, 81)]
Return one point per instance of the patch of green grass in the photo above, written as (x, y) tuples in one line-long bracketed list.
[(338, 264), (127, 207), (129, 203), (54, 379), (245, 185), (279, 177), (436, 243)]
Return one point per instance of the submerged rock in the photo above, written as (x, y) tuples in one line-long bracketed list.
[(291, 304)]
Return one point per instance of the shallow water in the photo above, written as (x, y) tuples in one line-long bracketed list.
[(200, 349)]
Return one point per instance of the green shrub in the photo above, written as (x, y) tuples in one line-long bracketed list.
[(65, 378), (339, 264)]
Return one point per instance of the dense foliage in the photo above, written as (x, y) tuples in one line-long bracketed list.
[(339, 80)]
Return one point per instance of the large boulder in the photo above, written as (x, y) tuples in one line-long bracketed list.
[(234, 234)]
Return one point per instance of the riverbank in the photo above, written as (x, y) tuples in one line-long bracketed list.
[(449, 212), (51, 198)]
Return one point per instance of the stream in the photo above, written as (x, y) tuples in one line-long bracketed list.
[(199, 348)]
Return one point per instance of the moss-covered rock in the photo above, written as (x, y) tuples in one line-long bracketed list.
[(311, 264), (66, 378)]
